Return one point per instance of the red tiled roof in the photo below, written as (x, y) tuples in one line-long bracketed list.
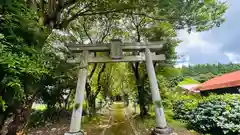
[(224, 81)]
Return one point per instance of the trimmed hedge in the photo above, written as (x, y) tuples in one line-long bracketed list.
[(216, 114)]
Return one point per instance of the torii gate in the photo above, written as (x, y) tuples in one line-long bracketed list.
[(117, 49)]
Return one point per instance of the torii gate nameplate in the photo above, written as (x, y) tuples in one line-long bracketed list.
[(116, 49)]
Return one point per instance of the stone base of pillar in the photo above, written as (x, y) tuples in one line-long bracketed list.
[(163, 131), (75, 133)]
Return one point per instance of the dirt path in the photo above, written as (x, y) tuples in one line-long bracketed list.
[(92, 127), (120, 125), (115, 120)]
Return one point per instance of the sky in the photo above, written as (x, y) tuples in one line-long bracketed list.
[(218, 45)]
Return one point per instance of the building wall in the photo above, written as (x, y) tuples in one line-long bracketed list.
[(232, 90)]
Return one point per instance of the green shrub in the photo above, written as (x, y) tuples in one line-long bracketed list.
[(39, 118), (36, 119), (183, 106), (216, 114)]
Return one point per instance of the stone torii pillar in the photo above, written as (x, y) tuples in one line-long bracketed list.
[(161, 124), (75, 126)]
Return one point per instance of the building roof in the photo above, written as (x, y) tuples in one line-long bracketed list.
[(224, 81)]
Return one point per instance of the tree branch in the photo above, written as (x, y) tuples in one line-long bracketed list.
[(152, 17), (106, 32), (86, 32), (60, 7), (133, 67), (135, 70), (136, 24), (88, 13), (99, 77), (88, 86), (93, 70), (88, 90)]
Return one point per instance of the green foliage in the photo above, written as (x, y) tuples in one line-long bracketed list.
[(174, 81), (170, 72), (147, 23), (77, 106), (36, 119), (2, 104), (193, 13), (188, 81), (39, 118), (20, 25), (205, 72), (157, 32), (33, 70), (30, 70), (158, 103), (168, 93), (183, 105), (22, 62), (216, 114)]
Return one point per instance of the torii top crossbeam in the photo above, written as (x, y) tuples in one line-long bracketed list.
[(126, 47), (117, 49)]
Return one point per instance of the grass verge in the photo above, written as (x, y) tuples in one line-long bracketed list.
[(145, 125)]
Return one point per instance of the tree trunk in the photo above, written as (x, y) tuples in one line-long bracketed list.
[(143, 110), (66, 101), (140, 87), (92, 106), (21, 116), (13, 127), (3, 118), (88, 95), (19, 120)]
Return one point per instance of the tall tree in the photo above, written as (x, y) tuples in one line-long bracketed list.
[(27, 65), (59, 13), (160, 24)]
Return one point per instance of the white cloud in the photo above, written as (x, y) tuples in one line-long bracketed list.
[(180, 65), (194, 40), (233, 57), (218, 45), (198, 50), (183, 61)]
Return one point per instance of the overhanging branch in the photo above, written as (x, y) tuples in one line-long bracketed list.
[(88, 13)]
